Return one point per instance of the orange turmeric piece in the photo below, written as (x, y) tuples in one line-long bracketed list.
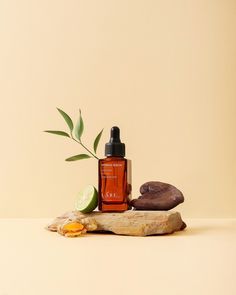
[(71, 229)]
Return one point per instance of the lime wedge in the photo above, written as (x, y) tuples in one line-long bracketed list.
[(87, 199)]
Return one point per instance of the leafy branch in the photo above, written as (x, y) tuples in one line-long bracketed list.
[(75, 134)]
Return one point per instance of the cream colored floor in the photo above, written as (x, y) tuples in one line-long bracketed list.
[(200, 260)]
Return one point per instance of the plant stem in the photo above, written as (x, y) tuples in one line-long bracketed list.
[(80, 142)]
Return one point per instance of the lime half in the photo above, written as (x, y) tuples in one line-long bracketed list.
[(87, 199)]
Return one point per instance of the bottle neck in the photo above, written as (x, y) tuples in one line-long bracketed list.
[(115, 157)]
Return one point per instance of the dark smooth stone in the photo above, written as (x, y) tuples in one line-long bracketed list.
[(158, 195)]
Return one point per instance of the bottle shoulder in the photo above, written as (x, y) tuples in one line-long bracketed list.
[(113, 159)]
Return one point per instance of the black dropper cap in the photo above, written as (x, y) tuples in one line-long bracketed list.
[(115, 147)]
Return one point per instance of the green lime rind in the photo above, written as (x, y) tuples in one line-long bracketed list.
[(87, 199)]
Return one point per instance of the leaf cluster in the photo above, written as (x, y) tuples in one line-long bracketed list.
[(75, 133)]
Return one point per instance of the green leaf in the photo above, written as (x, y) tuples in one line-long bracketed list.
[(67, 119), (79, 127), (62, 133), (96, 141), (78, 157)]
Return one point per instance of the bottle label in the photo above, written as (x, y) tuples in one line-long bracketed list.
[(113, 177)]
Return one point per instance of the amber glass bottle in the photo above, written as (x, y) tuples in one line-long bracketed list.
[(114, 176)]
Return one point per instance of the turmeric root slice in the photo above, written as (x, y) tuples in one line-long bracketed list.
[(71, 229)]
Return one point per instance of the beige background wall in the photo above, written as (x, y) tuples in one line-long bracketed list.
[(164, 71)]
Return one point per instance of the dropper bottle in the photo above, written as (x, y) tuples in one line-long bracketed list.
[(114, 176)]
